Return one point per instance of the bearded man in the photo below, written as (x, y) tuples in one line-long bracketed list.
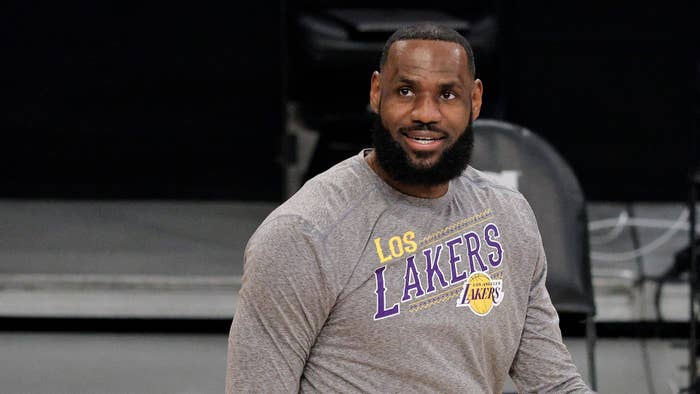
[(402, 269)]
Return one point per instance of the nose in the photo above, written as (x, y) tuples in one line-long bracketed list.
[(426, 110)]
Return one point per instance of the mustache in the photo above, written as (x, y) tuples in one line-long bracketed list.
[(421, 127)]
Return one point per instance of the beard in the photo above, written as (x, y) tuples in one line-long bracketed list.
[(397, 164)]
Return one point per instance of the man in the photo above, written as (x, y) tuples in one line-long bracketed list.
[(402, 269)]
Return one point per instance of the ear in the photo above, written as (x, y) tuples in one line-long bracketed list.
[(375, 92), (477, 92)]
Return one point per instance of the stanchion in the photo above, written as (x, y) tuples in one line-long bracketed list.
[(692, 370)]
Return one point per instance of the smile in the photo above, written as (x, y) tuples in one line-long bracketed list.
[(423, 140)]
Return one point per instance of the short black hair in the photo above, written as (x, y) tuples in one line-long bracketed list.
[(431, 32)]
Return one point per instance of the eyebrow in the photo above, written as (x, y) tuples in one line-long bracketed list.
[(450, 85), (443, 86), (407, 81)]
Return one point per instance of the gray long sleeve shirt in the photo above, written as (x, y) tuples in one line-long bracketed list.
[(352, 286)]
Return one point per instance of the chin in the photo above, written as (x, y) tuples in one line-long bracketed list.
[(424, 163), (424, 160)]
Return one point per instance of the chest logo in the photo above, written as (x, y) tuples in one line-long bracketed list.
[(481, 293)]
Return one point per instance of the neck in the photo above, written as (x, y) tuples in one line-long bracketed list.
[(420, 191)]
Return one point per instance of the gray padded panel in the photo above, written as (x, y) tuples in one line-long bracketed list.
[(553, 191)]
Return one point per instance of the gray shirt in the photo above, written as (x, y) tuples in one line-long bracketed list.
[(352, 286)]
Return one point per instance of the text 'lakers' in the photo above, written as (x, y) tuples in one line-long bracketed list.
[(437, 267)]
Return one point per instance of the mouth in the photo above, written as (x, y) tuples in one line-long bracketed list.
[(423, 138), (425, 141)]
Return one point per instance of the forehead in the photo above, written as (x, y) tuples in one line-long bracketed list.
[(441, 59)]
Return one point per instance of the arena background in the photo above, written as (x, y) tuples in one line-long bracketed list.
[(108, 100), (142, 144)]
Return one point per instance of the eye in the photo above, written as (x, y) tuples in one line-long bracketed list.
[(448, 95), (404, 91)]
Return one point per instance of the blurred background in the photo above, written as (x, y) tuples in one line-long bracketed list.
[(143, 144)]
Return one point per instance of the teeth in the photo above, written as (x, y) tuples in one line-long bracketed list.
[(424, 140)]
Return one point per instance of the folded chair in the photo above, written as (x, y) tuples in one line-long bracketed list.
[(518, 157)]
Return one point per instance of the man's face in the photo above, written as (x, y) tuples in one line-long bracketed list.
[(425, 98)]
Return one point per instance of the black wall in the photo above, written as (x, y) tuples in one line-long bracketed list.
[(105, 99), (612, 87)]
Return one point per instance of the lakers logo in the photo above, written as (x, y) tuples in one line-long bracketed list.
[(481, 293)]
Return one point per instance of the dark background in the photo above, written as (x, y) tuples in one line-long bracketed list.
[(107, 100), (115, 100)]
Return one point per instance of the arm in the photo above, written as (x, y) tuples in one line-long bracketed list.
[(283, 303), (542, 363)]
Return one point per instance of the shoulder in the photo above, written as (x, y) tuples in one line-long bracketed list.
[(487, 185), (326, 200), (499, 196)]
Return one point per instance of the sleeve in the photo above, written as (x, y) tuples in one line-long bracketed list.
[(542, 362), (284, 301)]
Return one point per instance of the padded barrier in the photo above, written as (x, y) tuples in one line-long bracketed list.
[(553, 191)]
